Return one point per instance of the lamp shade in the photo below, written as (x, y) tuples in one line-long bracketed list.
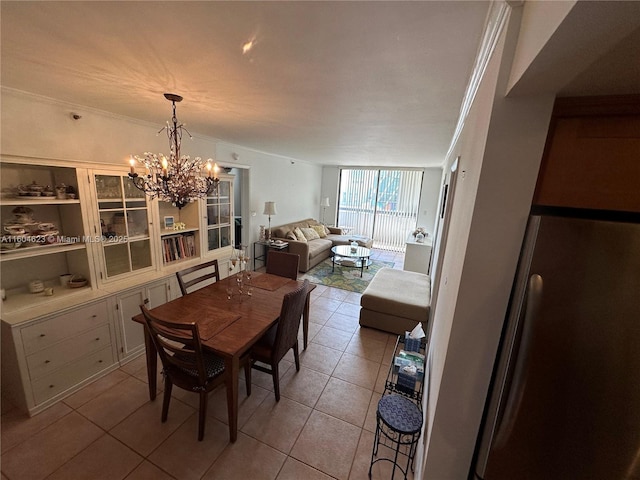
[(325, 202), (270, 208)]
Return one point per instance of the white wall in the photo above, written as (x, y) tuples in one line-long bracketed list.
[(294, 185), (500, 149), (42, 127)]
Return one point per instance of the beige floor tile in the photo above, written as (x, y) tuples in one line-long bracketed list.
[(333, 338), (183, 456), (380, 470), (50, 448), (314, 328), (6, 405), (335, 294), (217, 406), (366, 347), (319, 315), (381, 380), (142, 374), (343, 322), (354, 298), (295, 470), (143, 430), (345, 401), (96, 388), (304, 386), (370, 420), (327, 444), (357, 370), (350, 309), (265, 380), (389, 350), (16, 426), (112, 406), (245, 459), (136, 364), (105, 459), (320, 358), (325, 304), (148, 471), (246, 405), (318, 291), (374, 334), (277, 424)]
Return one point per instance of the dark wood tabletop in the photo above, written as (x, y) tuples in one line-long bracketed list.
[(229, 328)]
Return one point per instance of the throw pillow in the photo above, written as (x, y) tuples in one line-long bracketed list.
[(310, 233), (290, 235), (326, 230), (319, 230), (299, 235)]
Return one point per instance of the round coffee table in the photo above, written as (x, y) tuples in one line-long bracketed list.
[(359, 257)]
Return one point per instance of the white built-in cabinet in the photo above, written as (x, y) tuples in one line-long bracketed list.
[(127, 305), (107, 232)]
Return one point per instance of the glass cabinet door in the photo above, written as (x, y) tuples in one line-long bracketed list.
[(219, 215), (124, 221)]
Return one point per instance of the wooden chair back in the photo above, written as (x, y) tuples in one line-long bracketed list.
[(179, 348), (289, 321), (283, 264), (194, 278)]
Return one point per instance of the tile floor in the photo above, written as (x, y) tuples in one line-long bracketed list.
[(322, 427)]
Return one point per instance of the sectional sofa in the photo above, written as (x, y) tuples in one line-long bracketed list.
[(314, 250)]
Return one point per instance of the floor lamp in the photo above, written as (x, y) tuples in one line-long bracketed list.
[(269, 209), (324, 204)]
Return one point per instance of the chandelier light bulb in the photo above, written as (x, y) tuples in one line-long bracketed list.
[(176, 179)]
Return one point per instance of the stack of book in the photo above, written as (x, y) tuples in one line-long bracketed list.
[(178, 247)]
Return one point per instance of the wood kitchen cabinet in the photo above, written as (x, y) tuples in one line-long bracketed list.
[(592, 155)]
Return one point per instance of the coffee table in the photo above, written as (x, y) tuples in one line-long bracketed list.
[(359, 257)]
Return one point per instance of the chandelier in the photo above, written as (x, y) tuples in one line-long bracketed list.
[(176, 179)]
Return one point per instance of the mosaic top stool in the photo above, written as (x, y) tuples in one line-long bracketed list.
[(399, 421)]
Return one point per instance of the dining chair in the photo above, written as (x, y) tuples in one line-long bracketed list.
[(185, 363), (280, 338), (283, 264), (198, 276)]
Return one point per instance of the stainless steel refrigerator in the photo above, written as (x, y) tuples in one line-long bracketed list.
[(565, 397)]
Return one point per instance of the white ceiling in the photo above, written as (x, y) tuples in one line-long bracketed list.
[(351, 83)]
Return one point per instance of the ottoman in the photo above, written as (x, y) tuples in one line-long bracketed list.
[(396, 300)]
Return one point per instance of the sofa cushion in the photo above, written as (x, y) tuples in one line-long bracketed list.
[(281, 232), (310, 233), (399, 293), (319, 246), (299, 235), (320, 230)]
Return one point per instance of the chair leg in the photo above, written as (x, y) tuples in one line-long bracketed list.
[(166, 399), (202, 414), (276, 380), (296, 356), (247, 376)]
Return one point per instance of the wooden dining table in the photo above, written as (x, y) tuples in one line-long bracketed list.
[(227, 327)]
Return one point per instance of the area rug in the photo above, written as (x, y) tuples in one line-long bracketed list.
[(346, 278)]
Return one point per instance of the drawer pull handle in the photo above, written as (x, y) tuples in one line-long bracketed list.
[(99, 361), (94, 316), (51, 386), (47, 361), (42, 335), (97, 339)]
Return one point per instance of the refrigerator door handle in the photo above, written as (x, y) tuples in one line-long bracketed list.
[(518, 380)]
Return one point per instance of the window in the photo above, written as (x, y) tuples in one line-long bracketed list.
[(382, 204)]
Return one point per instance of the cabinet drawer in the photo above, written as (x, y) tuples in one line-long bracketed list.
[(54, 357), (46, 333), (70, 375)]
